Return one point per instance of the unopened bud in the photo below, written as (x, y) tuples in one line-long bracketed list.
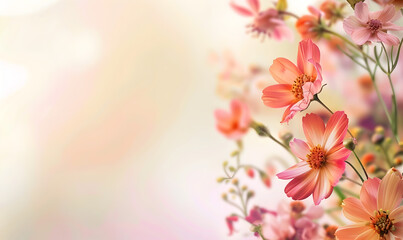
[(380, 130), (260, 129), (250, 194), (235, 181), (224, 196), (367, 159), (231, 168), (225, 163), (286, 136), (357, 132), (377, 138), (244, 188), (349, 144), (398, 161), (220, 179), (232, 190)]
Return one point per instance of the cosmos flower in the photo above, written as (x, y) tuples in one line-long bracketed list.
[(268, 22), (309, 26), (230, 223), (372, 27), (233, 124), (297, 84), (377, 214), (322, 156)]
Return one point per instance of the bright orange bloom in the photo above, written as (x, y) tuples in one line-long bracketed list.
[(377, 214)]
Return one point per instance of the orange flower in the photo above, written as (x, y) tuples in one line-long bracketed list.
[(377, 214), (309, 26), (332, 10)]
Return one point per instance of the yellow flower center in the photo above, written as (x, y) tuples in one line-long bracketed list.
[(298, 83), (317, 158), (381, 223)]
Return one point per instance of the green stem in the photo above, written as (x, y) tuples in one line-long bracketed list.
[(362, 166), (351, 165), (350, 43), (386, 155), (351, 180), (394, 119)]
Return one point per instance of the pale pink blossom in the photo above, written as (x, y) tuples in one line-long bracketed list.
[(297, 84), (268, 22), (235, 123), (322, 156), (368, 26), (377, 214)]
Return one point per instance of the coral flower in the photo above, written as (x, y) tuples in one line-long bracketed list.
[(297, 85), (309, 26), (230, 223), (377, 214), (268, 22), (323, 157), (332, 10), (233, 124), (372, 27)]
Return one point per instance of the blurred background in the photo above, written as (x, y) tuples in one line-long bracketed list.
[(107, 128)]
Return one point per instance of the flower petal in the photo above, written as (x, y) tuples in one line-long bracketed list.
[(397, 215), (254, 5), (390, 190), (299, 148), (361, 35), (284, 71), (302, 186), (362, 12), (314, 129), (387, 38), (354, 210), (336, 130), (350, 24), (334, 170), (323, 188), (240, 10), (338, 153), (288, 115), (370, 234), (295, 171), (387, 13), (308, 50), (369, 194), (277, 96), (350, 232)]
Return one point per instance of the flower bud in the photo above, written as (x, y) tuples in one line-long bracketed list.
[(250, 194), (260, 129), (244, 188), (220, 179), (349, 144), (232, 190), (380, 130), (367, 159), (398, 161), (286, 136), (377, 138), (224, 196), (235, 181), (357, 132)]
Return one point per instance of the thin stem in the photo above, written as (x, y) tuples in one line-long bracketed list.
[(351, 165), (362, 166), (394, 101), (386, 155), (350, 192), (244, 207), (289, 14), (316, 98), (234, 205), (350, 43), (284, 146)]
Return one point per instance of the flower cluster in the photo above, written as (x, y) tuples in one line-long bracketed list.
[(350, 162)]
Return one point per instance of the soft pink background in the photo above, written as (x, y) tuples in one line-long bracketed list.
[(106, 126)]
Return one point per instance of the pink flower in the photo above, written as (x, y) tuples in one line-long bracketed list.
[(233, 124), (256, 215), (268, 22), (322, 156), (377, 214), (297, 85), (372, 27), (230, 223)]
